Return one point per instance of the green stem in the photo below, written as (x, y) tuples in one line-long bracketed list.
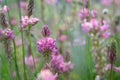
[(111, 71), (23, 49), (29, 39), (14, 45)]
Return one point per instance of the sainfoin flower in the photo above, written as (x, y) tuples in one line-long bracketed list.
[(7, 33), (26, 21), (57, 62), (29, 61), (46, 45), (46, 74)]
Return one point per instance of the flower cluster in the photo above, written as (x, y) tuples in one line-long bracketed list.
[(26, 21), (46, 45), (7, 33), (94, 26), (57, 62)]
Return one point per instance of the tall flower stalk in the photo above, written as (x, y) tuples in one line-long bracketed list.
[(14, 47), (23, 49)]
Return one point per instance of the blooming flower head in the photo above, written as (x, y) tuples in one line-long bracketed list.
[(57, 63), (46, 74), (7, 33), (29, 61), (46, 45), (26, 21)]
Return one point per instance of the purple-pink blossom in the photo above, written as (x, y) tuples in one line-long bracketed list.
[(83, 13), (6, 9), (26, 21), (46, 45), (7, 33), (57, 62)]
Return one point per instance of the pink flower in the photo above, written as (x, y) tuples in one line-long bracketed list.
[(95, 24), (13, 22), (62, 38), (23, 5), (94, 13), (25, 21), (29, 61), (104, 28), (0, 1), (46, 74), (105, 31), (106, 35), (106, 2), (116, 69), (83, 13), (6, 9), (57, 63), (46, 45), (7, 33), (68, 1), (117, 2), (51, 2), (86, 26)]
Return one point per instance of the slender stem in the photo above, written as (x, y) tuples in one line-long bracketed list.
[(23, 49), (42, 10), (29, 38), (111, 71), (14, 45), (15, 60)]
